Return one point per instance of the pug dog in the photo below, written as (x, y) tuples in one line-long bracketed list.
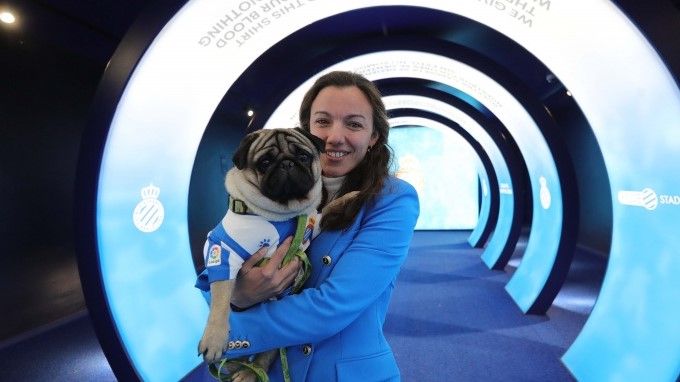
[(276, 178)]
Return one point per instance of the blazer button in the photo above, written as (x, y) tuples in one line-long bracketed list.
[(326, 260), (230, 345), (245, 344), (237, 344), (307, 349)]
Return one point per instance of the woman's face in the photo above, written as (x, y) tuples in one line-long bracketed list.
[(343, 118)]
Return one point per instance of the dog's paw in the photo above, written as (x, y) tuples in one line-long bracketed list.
[(244, 375), (213, 344)]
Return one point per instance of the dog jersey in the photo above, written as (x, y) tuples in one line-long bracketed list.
[(238, 237)]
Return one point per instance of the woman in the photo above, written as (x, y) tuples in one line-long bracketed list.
[(333, 329)]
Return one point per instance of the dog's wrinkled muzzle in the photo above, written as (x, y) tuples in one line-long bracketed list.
[(287, 180)]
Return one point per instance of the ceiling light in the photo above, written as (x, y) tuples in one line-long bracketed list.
[(7, 17)]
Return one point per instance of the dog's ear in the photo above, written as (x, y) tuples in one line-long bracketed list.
[(316, 141), (240, 157)]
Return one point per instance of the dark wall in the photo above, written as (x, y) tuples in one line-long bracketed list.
[(51, 62), (44, 101)]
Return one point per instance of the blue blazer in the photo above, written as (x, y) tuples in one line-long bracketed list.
[(333, 329)]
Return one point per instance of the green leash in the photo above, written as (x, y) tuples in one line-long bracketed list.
[(216, 370), (284, 364), (294, 251)]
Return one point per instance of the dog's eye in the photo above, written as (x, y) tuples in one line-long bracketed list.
[(304, 157), (263, 164)]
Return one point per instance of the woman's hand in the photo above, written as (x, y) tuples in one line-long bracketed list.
[(256, 284)]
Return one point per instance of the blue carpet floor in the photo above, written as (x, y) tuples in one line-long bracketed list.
[(450, 320)]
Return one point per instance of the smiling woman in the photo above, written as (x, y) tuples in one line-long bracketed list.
[(342, 117)]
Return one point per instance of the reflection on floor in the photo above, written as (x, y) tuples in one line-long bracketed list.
[(65, 351), (450, 319), (47, 276)]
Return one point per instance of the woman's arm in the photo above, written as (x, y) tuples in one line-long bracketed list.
[(360, 276)]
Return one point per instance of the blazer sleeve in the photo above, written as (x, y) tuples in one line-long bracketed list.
[(364, 271)]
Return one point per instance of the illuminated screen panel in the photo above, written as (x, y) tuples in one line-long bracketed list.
[(503, 224), (143, 248), (442, 167)]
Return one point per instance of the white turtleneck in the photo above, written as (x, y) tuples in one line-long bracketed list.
[(333, 186)]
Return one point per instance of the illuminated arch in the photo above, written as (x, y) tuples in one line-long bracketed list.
[(505, 206), (549, 249), (475, 162)]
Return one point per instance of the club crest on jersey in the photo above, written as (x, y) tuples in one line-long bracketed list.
[(214, 256), (309, 231)]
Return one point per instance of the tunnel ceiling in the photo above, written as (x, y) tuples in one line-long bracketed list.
[(94, 30), (290, 62)]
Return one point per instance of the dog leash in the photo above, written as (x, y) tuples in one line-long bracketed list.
[(294, 251), (216, 371)]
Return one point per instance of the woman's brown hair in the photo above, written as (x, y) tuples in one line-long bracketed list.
[(370, 174)]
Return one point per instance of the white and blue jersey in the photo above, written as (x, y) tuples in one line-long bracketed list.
[(238, 237)]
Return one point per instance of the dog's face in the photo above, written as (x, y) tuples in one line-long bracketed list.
[(282, 163)]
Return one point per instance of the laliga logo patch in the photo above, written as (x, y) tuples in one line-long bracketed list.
[(647, 198), (149, 213), (309, 229), (214, 256)]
